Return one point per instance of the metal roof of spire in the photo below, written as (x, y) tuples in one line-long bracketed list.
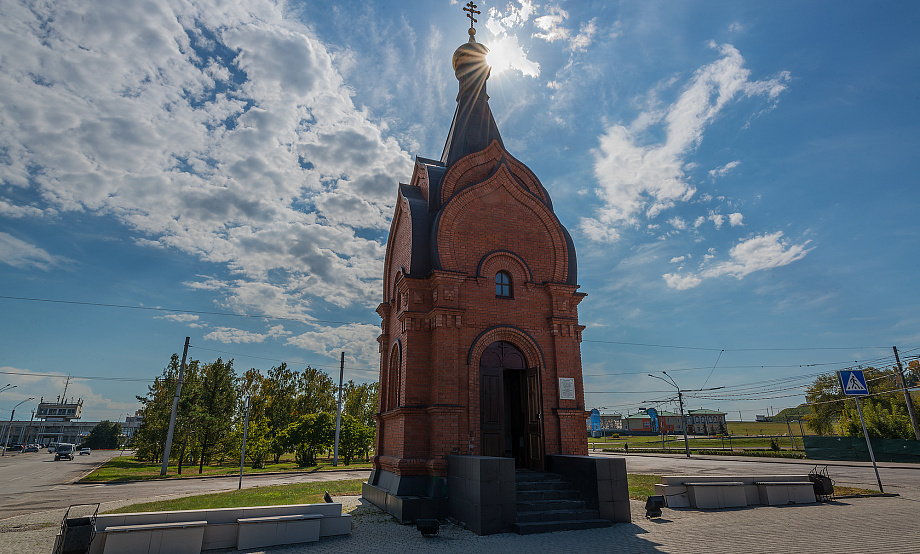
[(473, 128)]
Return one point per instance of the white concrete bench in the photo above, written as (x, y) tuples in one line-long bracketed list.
[(757, 489), (716, 494), (775, 493), (155, 538), (256, 532), (223, 524)]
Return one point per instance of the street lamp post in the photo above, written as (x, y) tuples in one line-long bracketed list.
[(10, 428), (680, 400)]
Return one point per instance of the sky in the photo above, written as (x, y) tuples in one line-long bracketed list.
[(739, 179)]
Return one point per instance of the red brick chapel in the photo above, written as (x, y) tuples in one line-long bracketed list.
[(480, 341)]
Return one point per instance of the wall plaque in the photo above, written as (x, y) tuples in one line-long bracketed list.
[(566, 388)]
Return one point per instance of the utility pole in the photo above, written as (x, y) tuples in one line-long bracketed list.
[(907, 398), (338, 414), (175, 406), (680, 400), (245, 433), (791, 435)]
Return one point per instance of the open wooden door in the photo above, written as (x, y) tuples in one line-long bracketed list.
[(502, 431), (534, 421)]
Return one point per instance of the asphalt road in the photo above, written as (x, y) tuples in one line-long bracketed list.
[(34, 482)]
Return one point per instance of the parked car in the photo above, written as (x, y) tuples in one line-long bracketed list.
[(64, 450), (86, 451), (52, 447), (31, 448)]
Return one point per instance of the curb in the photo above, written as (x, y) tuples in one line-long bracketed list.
[(177, 478)]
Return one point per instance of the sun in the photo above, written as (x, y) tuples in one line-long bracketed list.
[(501, 54), (506, 53)]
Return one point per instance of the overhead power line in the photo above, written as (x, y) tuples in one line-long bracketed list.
[(176, 310)]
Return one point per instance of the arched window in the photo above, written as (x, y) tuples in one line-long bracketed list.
[(503, 285)]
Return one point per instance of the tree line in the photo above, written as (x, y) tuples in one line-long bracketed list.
[(885, 409), (290, 412)]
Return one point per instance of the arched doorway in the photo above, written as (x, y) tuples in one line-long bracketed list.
[(510, 406)]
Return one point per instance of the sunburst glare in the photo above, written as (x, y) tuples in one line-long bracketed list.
[(505, 53)]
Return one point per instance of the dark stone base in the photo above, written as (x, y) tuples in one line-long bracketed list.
[(407, 497), (482, 493), (601, 481)]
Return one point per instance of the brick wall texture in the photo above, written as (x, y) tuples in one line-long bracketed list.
[(492, 215)]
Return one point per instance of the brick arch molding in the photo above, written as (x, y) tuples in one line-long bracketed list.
[(519, 338)]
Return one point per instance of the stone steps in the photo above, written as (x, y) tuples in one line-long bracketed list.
[(547, 503)]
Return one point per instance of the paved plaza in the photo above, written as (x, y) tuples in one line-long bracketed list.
[(846, 525)]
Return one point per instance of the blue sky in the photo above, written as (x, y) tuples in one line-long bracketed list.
[(739, 179)]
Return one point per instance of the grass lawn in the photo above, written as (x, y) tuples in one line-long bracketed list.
[(127, 468), (300, 493)]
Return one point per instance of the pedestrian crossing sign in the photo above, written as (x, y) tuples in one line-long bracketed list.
[(853, 382)]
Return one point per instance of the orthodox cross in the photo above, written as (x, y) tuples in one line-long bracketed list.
[(471, 8)]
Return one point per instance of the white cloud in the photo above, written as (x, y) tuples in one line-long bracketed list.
[(677, 259), (735, 219), (550, 26), (584, 38), (635, 176), (23, 255), (718, 219), (211, 127), (721, 171), (506, 53), (357, 340), (230, 335), (678, 223), (679, 282), (181, 318), (756, 253)]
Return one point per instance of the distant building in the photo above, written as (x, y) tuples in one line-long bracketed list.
[(706, 422), (609, 422), (699, 422), (58, 421)]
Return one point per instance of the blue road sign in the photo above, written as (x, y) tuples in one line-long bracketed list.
[(853, 382), (653, 415)]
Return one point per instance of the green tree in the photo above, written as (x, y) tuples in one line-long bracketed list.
[(156, 409), (214, 413), (258, 442), (315, 392), (309, 435), (361, 402), (824, 397), (355, 439), (892, 422), (103, 436), (279, 388), (884, 407)]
